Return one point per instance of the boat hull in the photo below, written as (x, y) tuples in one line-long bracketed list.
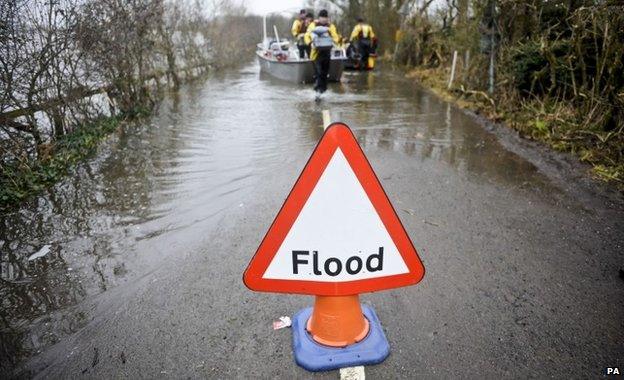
[(298, 71), (353, 64)]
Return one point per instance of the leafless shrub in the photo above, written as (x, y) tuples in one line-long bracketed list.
[(56, 55)]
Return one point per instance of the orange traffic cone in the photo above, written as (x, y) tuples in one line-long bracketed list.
[(337, 321)]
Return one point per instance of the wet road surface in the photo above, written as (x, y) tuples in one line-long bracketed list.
[(143, 247)]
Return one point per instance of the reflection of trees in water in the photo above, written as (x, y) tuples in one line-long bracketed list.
[(30, 290), (86, 219), (410, 121)]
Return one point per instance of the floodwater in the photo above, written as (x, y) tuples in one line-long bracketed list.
[(157, 187)]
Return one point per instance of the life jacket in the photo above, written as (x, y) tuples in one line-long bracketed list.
[(302, 27), (321, 39), (365, 32)]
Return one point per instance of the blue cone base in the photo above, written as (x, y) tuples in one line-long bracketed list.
[(317, 357)]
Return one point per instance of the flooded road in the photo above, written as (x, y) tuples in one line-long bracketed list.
[(132, 265)]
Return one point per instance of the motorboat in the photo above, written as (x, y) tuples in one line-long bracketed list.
[(280, 59), (353, 59)]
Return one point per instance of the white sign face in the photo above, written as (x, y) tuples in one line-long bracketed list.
[(338, 235)]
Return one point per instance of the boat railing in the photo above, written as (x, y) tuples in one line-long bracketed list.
[(338, 52), (286, 50)]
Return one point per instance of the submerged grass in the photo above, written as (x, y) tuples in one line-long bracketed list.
[(556, 123), (22, 179)]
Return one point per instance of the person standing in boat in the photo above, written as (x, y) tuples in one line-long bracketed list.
[(321, 35), (298, 31), (363, 38), (308, 20)]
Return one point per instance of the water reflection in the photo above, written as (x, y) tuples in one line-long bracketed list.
[(403, 118), (166, 179)]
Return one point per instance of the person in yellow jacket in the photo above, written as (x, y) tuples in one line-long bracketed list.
[(322, 36), (363, 38), (298, 30)]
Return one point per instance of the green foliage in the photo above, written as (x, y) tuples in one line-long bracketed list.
[(20, 180), (527, 66), (525, 61), (610, 173), (541, 127), (558, 69)]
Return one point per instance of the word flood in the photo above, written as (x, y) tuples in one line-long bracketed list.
[(333, 266)]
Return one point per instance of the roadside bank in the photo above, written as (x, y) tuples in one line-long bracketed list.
[(554, 124)]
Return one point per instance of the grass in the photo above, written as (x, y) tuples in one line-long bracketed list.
[(555, 123), (22, 179)]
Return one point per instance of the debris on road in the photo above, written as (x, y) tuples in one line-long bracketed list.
[(282, 323), (40, 253)]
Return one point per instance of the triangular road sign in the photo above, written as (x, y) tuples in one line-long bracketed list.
[(337, 233)]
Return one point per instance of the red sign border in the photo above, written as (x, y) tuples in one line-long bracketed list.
[(336, 135)]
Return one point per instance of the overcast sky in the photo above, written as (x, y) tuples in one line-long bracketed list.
[(262, 7)]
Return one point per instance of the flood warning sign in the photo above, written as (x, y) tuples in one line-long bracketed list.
[(337, 232)]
